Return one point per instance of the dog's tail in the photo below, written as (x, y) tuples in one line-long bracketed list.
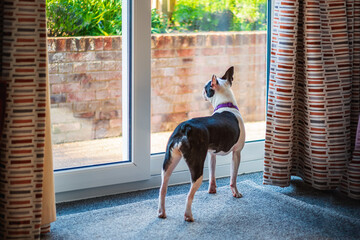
[(179, 142)]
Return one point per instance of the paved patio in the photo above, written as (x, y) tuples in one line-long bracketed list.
[(84, 153)]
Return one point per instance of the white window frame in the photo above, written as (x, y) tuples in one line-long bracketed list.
[(137, 69), (144, 172)]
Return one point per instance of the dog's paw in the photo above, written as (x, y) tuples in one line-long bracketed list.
[(235, 192), (161, 214), (237, 195), (212, 189), (188, 218)]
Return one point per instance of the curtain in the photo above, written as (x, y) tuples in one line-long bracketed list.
[(27, 205), (313, 100)]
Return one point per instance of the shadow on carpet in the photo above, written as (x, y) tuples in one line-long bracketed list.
[(260, 214)]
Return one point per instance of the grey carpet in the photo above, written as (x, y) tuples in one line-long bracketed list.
[(260, 214)]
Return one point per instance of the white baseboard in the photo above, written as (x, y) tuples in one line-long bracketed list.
[(252, 161)]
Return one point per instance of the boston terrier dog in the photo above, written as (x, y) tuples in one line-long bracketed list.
[(219, 134)]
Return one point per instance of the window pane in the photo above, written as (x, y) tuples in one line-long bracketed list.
[(191, 41), (85, 74)]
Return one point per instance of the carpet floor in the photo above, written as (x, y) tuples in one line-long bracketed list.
[(264, 212)]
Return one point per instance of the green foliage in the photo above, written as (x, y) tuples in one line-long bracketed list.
[(159, 22), (219, 15), (83, 17), (249, 15), (103, 17)]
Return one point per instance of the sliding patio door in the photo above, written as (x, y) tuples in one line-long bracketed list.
[(133, 88), (101, 102)]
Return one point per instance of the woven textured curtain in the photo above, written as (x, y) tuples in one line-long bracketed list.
[(26, 175), (313, 100)]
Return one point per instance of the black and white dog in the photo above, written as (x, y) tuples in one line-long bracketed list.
[(219, 134)]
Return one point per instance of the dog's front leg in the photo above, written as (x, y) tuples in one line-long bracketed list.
[(212, 179), (234, 172)]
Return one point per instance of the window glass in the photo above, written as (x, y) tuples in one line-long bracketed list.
[(194, 39)]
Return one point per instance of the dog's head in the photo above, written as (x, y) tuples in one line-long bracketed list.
[(219, 88)]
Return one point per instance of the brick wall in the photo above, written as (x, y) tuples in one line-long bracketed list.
[(85, 79)]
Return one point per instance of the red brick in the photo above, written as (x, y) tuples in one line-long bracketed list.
[(163, 53), (107, 43), (108, 66), (58, 98), (115, 93), (115, 84), (71, 45), (184, 41), (80, 67), (156, 120), (66, 127), (102, 94), (60, 45), (80, 106), (106, 115), (51, 42), (184, 108), (56, 88), (209, 70), (187, 61), (200, 113), (222, 39), (71, 87), (81, 96), (186, 52), (252, 39), (165, 62), (229, 40), (215, 40), (163, 72), (115, 123), (186, 71), (57, 78), (97, 85), (65, 67), (79, 77), (116, 43), (176, 117), (53, 68), (153, 41), (108, 56), (93, 66), (85, 115), (81, 44), (163, 41), (200, 40), (99, 43), (212, 51), (89, 44), (234, 51), (81, 56)]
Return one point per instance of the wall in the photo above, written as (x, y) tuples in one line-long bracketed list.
[(85, 78)]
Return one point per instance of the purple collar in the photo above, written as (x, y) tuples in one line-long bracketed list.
[(227, 105)]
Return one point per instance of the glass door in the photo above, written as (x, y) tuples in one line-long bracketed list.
[(99, 76), (191, 41)]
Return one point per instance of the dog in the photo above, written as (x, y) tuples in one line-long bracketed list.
[(219, 134)]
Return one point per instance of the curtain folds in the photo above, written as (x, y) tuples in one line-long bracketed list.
[(26, 175), (313, 100)]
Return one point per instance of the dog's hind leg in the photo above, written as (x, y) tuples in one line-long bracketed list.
[(190, 197), (234, 172), (195, 162), (212, 179), (172, 162)]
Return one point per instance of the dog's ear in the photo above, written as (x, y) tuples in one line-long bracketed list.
[(214, 82), (229, 75)]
